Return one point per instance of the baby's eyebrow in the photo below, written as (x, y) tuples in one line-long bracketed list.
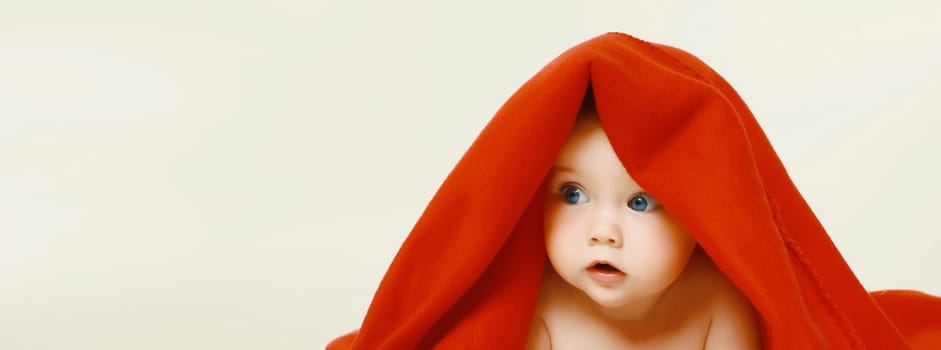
[(563, 168)]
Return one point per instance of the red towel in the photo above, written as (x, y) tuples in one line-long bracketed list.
[(468, 274)]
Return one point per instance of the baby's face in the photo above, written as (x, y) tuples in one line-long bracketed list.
[(604, 234)]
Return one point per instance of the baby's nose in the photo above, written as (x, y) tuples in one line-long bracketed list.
[(609, 237)]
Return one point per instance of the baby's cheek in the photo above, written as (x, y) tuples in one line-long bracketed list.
[(561, 258), (560, 222), (551, 219), (670, 254)]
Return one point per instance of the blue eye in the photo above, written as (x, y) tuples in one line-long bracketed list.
[(642, 202), (571, 194)]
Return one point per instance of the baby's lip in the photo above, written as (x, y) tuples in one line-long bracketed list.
[(603, 265)]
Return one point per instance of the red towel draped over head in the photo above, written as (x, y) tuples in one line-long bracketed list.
[(468, 274)]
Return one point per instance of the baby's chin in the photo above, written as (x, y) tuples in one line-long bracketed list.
[(620, 304), (607, 297), (610, 301)]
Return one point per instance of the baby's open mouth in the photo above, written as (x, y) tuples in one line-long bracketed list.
[(605, 273), (604, 267)]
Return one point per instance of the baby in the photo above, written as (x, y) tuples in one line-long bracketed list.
[(624, 273)]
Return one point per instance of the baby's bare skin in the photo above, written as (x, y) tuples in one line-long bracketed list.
[(700, 310), (622, 271)]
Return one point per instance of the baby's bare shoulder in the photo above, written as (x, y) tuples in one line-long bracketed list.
[(733, 323)]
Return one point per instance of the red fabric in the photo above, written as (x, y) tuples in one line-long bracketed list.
[(468, 274)]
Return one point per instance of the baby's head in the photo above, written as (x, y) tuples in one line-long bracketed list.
[(604, 235)]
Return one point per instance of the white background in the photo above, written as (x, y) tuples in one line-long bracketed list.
[(238, 175)]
